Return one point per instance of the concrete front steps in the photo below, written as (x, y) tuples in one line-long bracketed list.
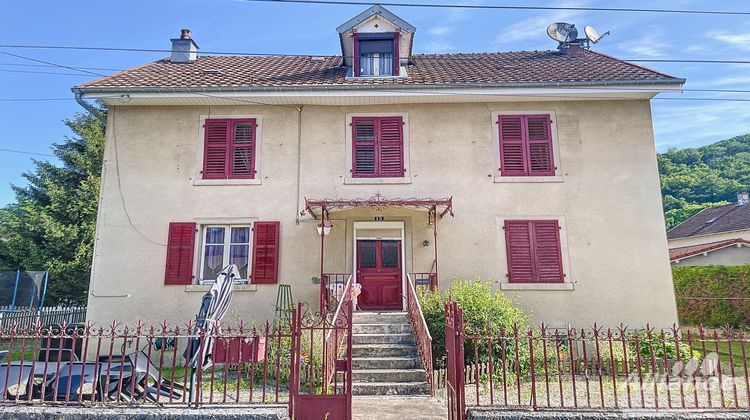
[(385, 359)]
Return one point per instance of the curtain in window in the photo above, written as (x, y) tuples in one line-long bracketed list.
[(213, 254), (376, 64)]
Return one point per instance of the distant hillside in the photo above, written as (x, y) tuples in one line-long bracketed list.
[(692, 179)]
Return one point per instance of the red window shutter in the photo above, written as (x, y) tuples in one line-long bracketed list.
[(216, 149), (539, 140), (526, 145), (520, 252), (378, 147), (243, 146), (265, 253), (180, 250), (547, 249), (391, 143), (534, 252), (364, 160), (512, 154)]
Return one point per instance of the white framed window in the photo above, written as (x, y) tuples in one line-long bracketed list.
[(222, 245)]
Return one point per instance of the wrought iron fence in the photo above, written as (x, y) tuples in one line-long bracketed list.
[(121, 365), (598, 368)]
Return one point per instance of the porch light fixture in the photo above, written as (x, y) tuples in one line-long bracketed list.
[(324, 228)]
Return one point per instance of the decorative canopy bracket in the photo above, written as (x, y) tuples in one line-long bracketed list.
[(378, 202)]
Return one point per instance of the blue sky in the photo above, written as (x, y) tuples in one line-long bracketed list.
[(233, 25)]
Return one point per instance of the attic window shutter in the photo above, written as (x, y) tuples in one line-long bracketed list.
[(229, 148), (391, 139), (216, 148), (539, 141), (180, 250), (378, 147), (526, 145), (512, 156), (534, 252), (265, 253)]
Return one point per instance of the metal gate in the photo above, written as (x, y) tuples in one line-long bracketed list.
[(321, 365), (454, 352)]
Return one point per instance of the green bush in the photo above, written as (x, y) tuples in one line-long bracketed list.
[(725, 282), (483, 309)]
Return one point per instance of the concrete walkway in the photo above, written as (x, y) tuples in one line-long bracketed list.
[(398, 407)]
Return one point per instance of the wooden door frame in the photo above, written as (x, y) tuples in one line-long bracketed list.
[(390, 224)]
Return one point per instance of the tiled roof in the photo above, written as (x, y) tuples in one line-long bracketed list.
[(689, 251), (727, 218), (523, 67)]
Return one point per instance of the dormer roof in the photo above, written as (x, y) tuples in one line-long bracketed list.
[(372, 11)]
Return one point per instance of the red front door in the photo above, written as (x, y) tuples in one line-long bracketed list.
[(379, 273)]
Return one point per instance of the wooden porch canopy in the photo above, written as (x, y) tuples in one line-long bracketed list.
[(434, 206)]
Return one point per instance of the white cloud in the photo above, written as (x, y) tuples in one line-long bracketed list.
[(537, 25), (439, 46), (650, 45), (741, 41), (440, 31)]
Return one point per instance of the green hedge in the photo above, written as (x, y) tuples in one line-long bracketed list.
[(713, 282)]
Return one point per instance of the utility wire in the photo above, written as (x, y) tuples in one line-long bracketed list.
[(49, 65), (26, 153), (505, 7), (442, 57), (52, 64)]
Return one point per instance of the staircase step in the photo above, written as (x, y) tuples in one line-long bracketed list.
[(404, 328), (380, 317), (383, 350), (386, 363), (404, 338), (388, 375), (390, 388)]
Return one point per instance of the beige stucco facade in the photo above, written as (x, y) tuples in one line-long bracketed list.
[(605, 195)]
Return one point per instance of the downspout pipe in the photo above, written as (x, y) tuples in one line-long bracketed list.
[(93, 111)]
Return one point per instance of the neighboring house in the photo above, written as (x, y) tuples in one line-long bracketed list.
[(713, 236), (535, 170)]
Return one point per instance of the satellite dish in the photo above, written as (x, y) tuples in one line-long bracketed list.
[(562, 32), (592, 35)]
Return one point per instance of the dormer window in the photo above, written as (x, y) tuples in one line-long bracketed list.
[(376, 54), (376, 43)]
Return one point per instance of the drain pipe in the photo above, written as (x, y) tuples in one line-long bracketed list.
[(93, 111), (299, 161)]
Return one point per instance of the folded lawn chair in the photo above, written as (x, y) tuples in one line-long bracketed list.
[(15, 382)]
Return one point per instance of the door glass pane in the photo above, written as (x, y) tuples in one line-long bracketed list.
[(367, 254), (389, 251)]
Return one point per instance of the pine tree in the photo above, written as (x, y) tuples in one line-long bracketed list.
[(51, 225)]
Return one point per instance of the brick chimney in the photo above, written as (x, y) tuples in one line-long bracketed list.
[(743, 198), (184, 49)]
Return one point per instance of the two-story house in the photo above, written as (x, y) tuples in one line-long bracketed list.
[(535, 170)]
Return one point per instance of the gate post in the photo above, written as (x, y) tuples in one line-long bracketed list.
[(454, 351)]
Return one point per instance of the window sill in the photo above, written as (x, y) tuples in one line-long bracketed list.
[(537, 286), (201, 182), (206, 287), (376, 181), (530, 179)]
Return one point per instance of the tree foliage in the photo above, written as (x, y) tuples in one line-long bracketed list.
[(693, 179), (51, 225)]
